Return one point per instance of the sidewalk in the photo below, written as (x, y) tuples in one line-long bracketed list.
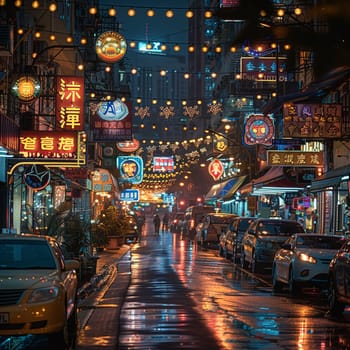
[(100, 300)]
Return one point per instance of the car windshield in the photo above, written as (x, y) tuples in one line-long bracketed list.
[(26, 254), (320, 242), (274, 228)]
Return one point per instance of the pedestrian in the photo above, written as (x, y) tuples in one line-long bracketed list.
[(165, 221), (156, 223), (140, 223)]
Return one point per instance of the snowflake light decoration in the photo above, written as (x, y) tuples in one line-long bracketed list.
[(163, 148), (215, 108), (174, 147), (190, 111), (167, 111), (142, 112)]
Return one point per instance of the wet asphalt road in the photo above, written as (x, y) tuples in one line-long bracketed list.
[(183, 297), (171, 294)]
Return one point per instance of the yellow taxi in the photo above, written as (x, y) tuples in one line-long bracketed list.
[(38, 289)]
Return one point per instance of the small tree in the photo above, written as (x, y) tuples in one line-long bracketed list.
[(112, 222)]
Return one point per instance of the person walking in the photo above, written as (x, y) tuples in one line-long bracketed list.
[(165, 221), (156, 223)]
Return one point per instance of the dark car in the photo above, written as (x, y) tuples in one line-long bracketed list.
[(230, 241), (211, 226), (339, 280), (263, 238), (176, 223)]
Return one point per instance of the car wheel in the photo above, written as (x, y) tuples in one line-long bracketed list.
[(335, 307), (276, 285), (292, 287), (67, 337)]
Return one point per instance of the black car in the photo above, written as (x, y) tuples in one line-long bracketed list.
[(339, 280), (230, 241)]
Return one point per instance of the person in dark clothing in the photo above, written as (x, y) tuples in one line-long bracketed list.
[(156, 223), (165, 226)]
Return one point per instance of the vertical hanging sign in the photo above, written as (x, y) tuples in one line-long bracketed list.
[(70, 103)]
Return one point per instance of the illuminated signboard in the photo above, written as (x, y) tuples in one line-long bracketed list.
[(263, 68), (113, 121), (163, 164), (53, 144), (312, 120), (111, 47), (128, 146), (130, 195), (26, 88), (37, 177), (130, 168), (70, 103), (258, 129), (102, 181), (295, 158), (152, 48), (216, 169), (229, 3)]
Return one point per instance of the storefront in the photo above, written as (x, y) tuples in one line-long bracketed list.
[(332, 193)]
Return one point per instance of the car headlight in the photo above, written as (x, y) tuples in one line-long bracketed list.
[(307, 258), (43, 294)]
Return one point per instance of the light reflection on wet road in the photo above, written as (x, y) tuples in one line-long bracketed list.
[(184, 297)]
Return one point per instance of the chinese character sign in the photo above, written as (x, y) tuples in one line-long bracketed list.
[(113, 121), (130, 195), (264, 68), (312, 120), (295, 158), (53, 144), (70, 103)]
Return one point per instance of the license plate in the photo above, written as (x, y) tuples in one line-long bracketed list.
[(4, 317)]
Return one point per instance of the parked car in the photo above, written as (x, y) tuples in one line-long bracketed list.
[(192, 218), (339, 280), (303, 260), (212, 225), (230, 241), (38, 289), (262, 239), (176, 224)]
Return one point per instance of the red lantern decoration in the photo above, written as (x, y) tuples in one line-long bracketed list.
[(216, 169)]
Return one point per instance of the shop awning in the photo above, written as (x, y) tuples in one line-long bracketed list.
[(332, 178), (277, 187), (273, 174), (225, 190), (272, 182)]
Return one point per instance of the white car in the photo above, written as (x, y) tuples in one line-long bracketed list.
[(303, 260)]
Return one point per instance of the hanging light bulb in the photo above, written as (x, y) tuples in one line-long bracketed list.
[(92, 10), (189, 13), (132, 44), (83, 41), (131, 12), (35, 4), (169, 13), (205, 48), (191, 48), (208, 14), (177, 48), (150, 13), (112, 12), (163, 47), (53, 7)]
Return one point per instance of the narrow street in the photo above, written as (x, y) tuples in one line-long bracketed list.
[(169, 293)]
